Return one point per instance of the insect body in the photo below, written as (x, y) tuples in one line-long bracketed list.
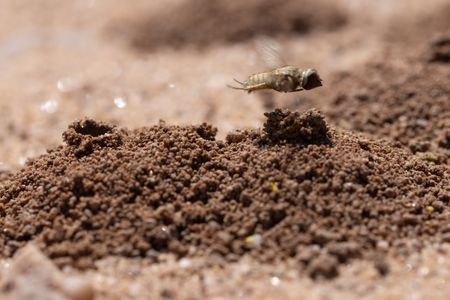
[(285, 79)]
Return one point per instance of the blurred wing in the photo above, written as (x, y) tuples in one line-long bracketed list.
[(269, 50)]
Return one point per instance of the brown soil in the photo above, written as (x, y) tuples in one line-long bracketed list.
[(298, 190), (407, 102)]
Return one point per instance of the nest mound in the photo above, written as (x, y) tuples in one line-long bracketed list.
[(171, 189)]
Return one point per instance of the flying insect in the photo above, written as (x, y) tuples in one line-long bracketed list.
[(284, 79)]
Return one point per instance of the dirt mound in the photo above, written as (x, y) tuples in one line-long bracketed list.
[(203, 22), (407, 100), (176, 189)]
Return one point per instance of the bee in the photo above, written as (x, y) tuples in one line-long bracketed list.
[(284, 79)]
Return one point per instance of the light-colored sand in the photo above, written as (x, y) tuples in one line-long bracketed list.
[(424, 275)]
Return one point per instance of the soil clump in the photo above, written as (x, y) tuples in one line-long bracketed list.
[(309, 128)]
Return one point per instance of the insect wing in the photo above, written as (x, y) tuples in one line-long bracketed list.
[(269, 50)]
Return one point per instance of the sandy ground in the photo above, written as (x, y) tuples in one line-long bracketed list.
[(424, 275), (66, 60)]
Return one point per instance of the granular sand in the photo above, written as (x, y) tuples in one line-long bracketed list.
[(172, 189)]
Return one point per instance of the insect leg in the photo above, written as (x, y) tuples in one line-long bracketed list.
[(236, 87), (249, 88), (242, 87), (260, 86), (241, 83)]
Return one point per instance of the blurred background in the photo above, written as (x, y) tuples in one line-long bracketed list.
[(135, 62)]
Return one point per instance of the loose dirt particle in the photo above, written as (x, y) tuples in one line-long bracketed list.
[(324, 266), (381, 265)]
